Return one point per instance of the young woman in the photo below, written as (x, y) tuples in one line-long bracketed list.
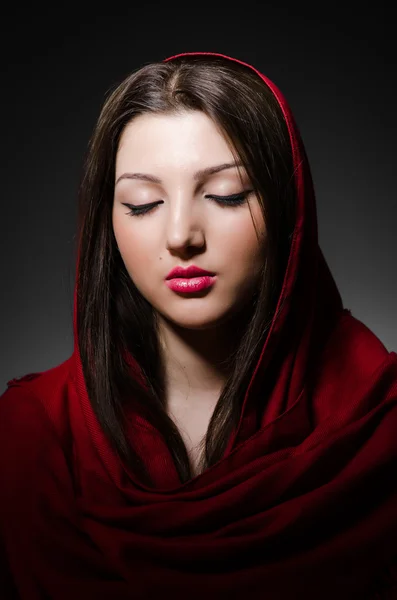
[(224, 426)]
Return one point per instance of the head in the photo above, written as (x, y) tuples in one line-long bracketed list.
[(172, 122), (185, 223)]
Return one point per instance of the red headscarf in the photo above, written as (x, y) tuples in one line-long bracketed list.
[(303, 504)]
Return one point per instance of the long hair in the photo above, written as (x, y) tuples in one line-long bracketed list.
[(112, 314)]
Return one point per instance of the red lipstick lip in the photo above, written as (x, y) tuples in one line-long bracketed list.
[(187, 272)]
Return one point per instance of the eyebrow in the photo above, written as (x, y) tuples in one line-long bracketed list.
[(196, 176)]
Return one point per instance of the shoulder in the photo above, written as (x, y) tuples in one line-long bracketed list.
[(41, 396), (358, 335), (33, 456), (54, 377), (354, 348), (34, 423), (354, 369), (26, 432)]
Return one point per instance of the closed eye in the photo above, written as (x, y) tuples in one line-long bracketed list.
[(233, 200)]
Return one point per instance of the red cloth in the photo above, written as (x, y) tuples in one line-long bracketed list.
[(302, 505)]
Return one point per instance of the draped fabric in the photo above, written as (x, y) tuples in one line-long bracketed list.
[(302, 505)]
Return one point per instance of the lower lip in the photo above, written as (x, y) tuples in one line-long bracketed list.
[(191, 285)]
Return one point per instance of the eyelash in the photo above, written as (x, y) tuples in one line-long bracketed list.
[(233, 200)]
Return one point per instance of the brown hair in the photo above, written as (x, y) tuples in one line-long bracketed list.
[(112, 314)]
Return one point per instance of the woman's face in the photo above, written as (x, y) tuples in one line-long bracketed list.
[(185, 227)]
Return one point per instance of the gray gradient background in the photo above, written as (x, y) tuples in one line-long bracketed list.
[(337, 70)]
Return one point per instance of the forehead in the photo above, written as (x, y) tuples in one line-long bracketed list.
[(166, 138)]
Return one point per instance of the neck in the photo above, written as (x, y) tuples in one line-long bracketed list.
[(195, 361)]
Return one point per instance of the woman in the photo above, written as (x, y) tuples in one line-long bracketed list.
[(224, 426)]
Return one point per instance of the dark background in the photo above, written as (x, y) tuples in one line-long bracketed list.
[(336, 66)]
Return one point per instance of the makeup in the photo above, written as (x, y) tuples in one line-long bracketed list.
[(190, 285)]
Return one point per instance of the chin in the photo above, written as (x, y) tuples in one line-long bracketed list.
[(200, 323)]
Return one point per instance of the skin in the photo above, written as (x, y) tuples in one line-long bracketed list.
[(196, 332)]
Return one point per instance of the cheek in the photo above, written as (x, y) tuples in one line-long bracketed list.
[(134, 245), (238, 241)]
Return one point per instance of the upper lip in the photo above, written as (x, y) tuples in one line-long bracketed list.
[(191, 271)]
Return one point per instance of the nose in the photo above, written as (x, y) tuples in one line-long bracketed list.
[(184, 226)]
